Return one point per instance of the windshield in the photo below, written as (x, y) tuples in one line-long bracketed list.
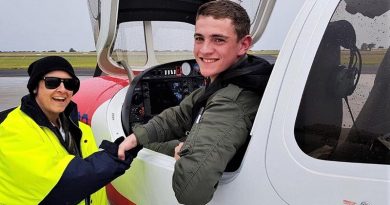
[(169, 41)]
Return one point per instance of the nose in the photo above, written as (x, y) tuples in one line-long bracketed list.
[(61, 87), (206, 47)]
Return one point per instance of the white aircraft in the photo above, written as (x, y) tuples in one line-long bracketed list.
[(321, 134)]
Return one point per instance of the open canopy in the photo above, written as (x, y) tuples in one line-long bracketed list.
[(136, 34)]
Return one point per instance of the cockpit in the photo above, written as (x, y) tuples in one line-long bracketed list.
[(151, 42)]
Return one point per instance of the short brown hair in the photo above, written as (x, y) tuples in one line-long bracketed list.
[(227, 9)]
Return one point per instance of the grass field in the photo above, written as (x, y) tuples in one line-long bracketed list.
[(87, 60), (21, 60), (373, 57)]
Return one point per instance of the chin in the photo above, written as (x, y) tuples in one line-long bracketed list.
[(205, 73), (59, 110)]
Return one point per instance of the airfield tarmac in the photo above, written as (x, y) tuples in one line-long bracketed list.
[(13, 86)]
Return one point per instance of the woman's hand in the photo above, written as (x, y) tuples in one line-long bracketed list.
[(129, 143)]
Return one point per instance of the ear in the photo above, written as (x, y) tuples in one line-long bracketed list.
[(35, 91), (245, 43)]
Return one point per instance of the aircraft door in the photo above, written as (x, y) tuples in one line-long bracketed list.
[(329, 133)]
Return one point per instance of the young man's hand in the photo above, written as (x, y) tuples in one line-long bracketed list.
[(177, 150), (129, 143)]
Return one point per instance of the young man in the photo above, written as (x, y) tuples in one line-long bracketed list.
[(47, 156), (217, 118)]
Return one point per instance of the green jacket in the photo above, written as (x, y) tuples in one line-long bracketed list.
[(212, 141)]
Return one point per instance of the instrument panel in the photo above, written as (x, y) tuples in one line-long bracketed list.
[(158, 88)]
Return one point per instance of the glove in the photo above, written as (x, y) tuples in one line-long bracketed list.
[(112, 149)]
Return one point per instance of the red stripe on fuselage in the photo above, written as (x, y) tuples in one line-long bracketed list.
[(94, 92), (116, 198)]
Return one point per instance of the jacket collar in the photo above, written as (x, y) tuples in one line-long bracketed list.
[(31, 108), (249, 72), (69, 120)]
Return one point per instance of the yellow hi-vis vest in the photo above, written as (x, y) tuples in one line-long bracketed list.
[(32, 160)]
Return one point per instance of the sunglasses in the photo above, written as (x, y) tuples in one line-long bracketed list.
[(53, 83)]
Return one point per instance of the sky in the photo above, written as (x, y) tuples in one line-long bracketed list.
[(42, 25), (38, 25)]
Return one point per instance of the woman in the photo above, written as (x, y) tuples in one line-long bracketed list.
[(47, 156)]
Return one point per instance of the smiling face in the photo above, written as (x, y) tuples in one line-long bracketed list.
[(53, 101), (216, 46)]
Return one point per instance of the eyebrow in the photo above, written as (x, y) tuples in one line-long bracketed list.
[(197, 35), (212, 36)]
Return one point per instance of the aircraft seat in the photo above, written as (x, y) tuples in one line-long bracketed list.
[(369, 139), (319, 121)]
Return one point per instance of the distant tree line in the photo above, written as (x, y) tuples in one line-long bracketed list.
[(367, 46)]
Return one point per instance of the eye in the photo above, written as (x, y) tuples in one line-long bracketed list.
[(219, 40), (198, 39)]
